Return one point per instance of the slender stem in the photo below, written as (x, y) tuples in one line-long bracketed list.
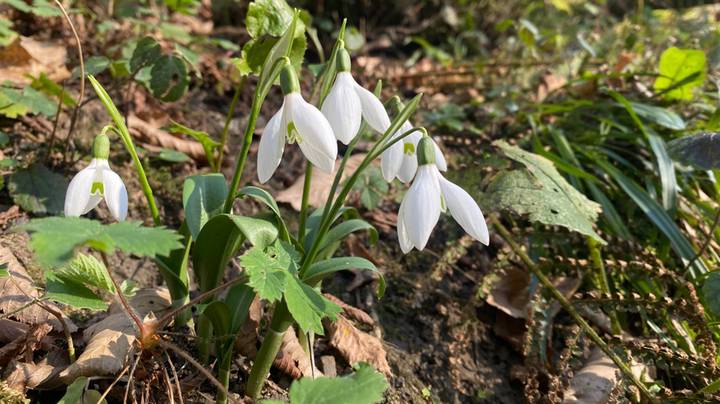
[(228, 119), (124, 133), (128, 309), (601, 274), (624, 368), (268, 350), (304, 201)]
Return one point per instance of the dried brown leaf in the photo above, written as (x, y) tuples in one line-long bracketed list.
[(154, 136), (292, 358), (42, 375), (29, 57), (26, 344), (357, 346), (321, 184), (17, 291), (351, 311), (110, 340)]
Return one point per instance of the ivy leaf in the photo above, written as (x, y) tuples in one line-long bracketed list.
[(268, 271), (542, 194), (680, 71), (365, 386), (307, 306), (87, 270), (38, 190), (169, 78)]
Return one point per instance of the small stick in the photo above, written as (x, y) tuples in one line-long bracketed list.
[(168, 384), (130, 378), (175, 376), (107, 391), (196, 364)]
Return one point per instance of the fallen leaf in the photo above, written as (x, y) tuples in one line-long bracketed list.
[(356, 345), (42, 375), (292, 358), (110, 340), (17, 291), (321, 184), (28, 57), (25, 344), (154, 136), (549, 83), (351, 311), (360, 277)]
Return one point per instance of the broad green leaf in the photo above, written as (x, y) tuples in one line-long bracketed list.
[(268, 276), (701, 150), (268, 17), (76, 393), (173, 156), (49, 87), (307, 306), (87, 270), (264, 196), (72, 293), (661, 116), (14, 103), (372, 187), (711, 292), (659, 217), (38, 190), (365, 386), (219, 241), (219, 314), (169, 78), (337, 233), (322, 269), (133, 238), (203, 198), (94, 65), (147, 52), (239, 297), (542, 194), (183, 6), (11, 104), (680, 71)]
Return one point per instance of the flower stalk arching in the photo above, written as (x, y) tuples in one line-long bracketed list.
[(122, 131)]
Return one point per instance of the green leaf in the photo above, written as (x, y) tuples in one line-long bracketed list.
[(76, 393), (701, 150), (183, 6), (660, 116), (173, 156), (219, 314), (268, 274), (7, 35), (94, 65), (307, 306), (133, 238), (147, 52), (38, 190), (711, 292), (264, 196), (219, 241), (542, 194), (169, 78), (322, 269), (87, 270), (680, 71), (72, 293), (203, 198), (209, 145), (372, 187), (49, 87), (14, 103), (365, 386), (337, 233), (268, 17), (4, 270)]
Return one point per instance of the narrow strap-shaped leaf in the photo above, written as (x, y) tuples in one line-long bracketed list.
[(264, 196), (322, 269), (338, 232)]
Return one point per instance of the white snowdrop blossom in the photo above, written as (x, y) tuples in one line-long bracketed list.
[(400, 159), (347, 103), (300, 122), (431, 194), (96, 182)]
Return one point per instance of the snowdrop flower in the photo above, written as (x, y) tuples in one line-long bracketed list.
[(347, 102), (296, 121), (430, 194), (400, 159), (95, 182)]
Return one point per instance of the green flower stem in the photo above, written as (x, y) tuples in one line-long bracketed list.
[(304, 201), (122, 131), (601, 274), (281, 321), (228, 119), (624, 368)]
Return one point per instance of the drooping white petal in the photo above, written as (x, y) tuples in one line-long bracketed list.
[(77, 196), (421, 206), (342, 108), (317, 140), (465, 210), (372, 109), (392, 158), (272, 145), (116, 196), (405, 244), (409, 164), (439, 158)]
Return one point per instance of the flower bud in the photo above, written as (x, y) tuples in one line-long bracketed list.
[(426, 151)]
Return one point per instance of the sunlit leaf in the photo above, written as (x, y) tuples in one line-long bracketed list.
[(365, 386), (680, 71)]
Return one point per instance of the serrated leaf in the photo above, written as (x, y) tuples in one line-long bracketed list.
[(269, 270), (38, 190), (542, 194), (203, 198), (307, 306), (169, 78), (680, 71), (133, 238), (87, 270), (365, 386), (72, 293), (701, 150)]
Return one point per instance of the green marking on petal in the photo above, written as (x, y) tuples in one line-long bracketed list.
[(293, 136), (97, 188), (409, 149)]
